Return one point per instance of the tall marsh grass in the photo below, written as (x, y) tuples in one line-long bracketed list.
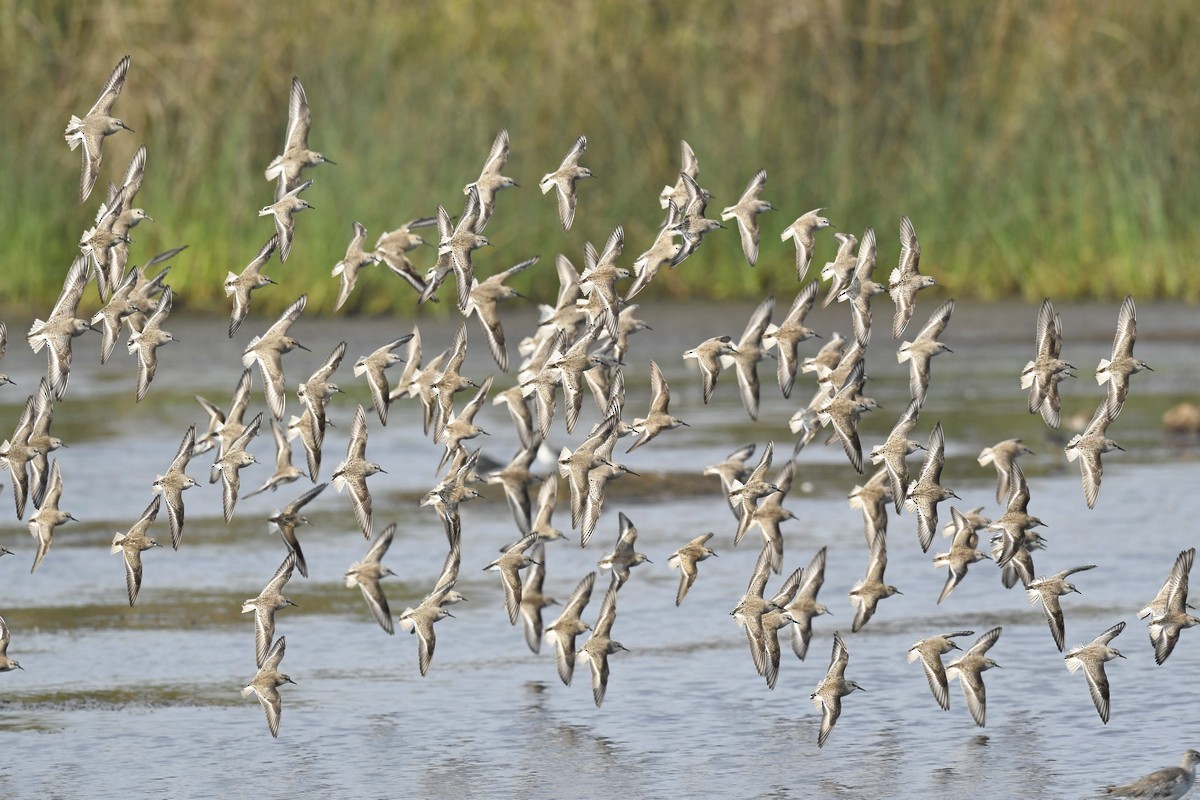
[(1041, 148)]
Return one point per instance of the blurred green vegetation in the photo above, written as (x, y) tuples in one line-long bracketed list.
[(1041, 148)]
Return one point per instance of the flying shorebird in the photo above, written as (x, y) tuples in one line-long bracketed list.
[(1042, 375), (842, 410), (239, 286), (1092, 657), (490, 181), (461, 426), (962, 553), (688, 219), (355, 469), (289, 518), (733, 468), (872, 499), (562, 181), (600, 645), (533, 599), (373, 367), (112, 316), (663, 251), (930, 652), (355, 259), (367, 573), (229, 466), (315, 393), (894, 450), (284, 211), (623, 558), (447, 380), (420, 621), (827, 358), (515, 478), (657, 419), (969, 671), (804, 605), (96, 124), (748, 352), (1003, 455), (121, 200), (1168, 611), (266, 683), (39, 441), (393, 248), (48, 516), (6, 664), (450, 492), (269, 600), (746, 212), (1016, 538), (268, 350), (1047, 591), (145, 343), (861, 288), (57, 331), (770, 513), (832, 688), (686, 558), (16, 454), (101, 244), (562, 631), (906, 280), (801, 232), (690, 166), (708, 355), (224, 427), (285, 471), (839, 271), (132, 543), (919, 353), (775, 617), (176, 480), (483, 300), (749, 611), (787, 335), (285, 168), (1089, 445), (509, 565), (867, 592), (926, 491), (749, 492), (1116, 371)]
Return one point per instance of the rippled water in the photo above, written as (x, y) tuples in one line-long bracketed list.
[(117, 700)]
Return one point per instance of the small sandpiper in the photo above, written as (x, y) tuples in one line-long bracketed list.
[(266, 683), (269, 600), (132, 543), (930, 652), (95, 125), (563, 179), (1092, 657), (969, 671), (832, 688), (1170, 783), (285, 168)]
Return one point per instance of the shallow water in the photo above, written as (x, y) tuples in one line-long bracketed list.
[(117, 700)]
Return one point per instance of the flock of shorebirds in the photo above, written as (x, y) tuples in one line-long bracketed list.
[(583, 340)]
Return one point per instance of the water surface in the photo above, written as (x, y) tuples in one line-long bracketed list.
[(117, 700)]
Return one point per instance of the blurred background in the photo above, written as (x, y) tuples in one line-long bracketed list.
[(1041, 148)]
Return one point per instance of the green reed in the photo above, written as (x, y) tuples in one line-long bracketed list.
[(1040, 148)]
